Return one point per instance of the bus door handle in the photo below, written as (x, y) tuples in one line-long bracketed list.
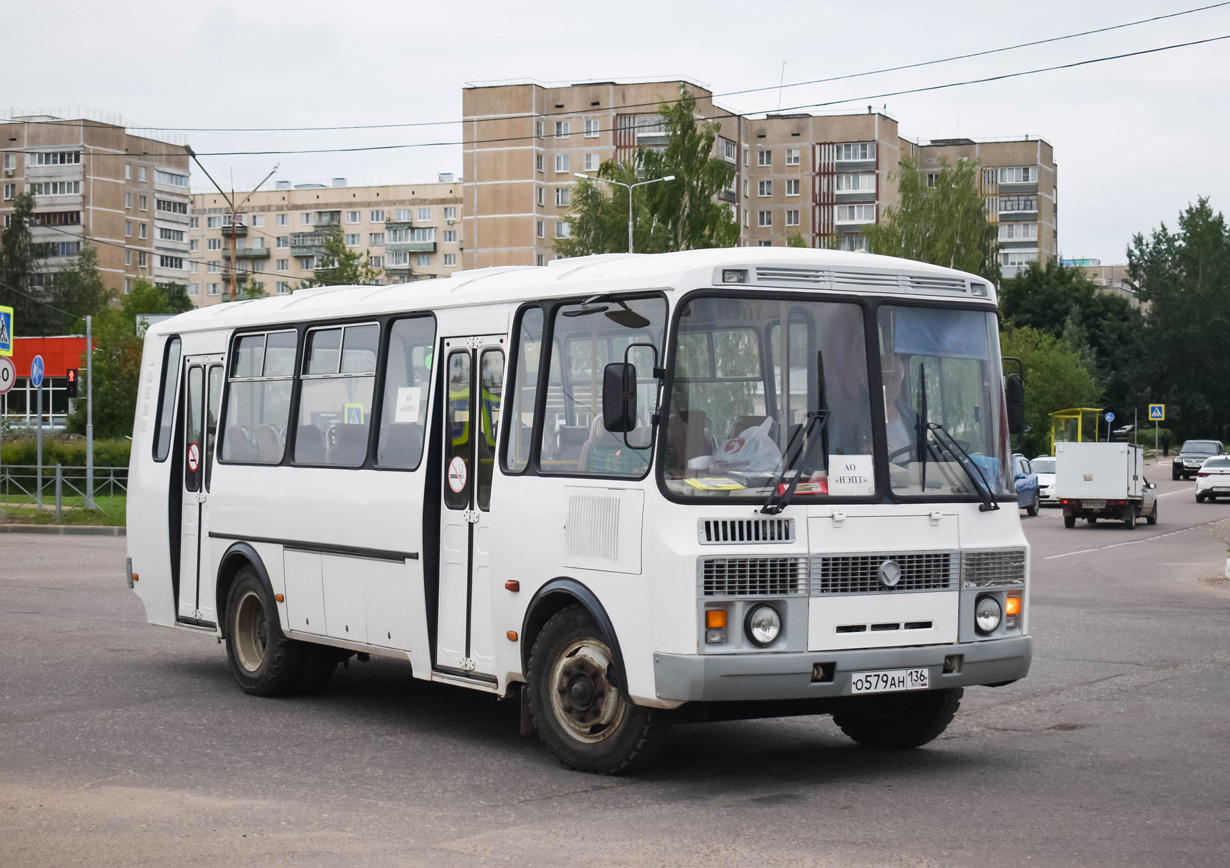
[(470, 516)]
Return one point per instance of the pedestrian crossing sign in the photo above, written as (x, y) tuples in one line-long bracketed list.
[(1157, 412), (6, 331)]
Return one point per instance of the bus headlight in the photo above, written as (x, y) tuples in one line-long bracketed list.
[(987, 615), (763, 625)]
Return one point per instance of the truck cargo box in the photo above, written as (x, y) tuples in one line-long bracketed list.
[(1099, 471)]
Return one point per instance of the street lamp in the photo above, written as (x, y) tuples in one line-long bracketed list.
[(630, 187)]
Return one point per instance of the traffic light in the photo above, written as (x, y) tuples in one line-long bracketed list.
[(71, 388)]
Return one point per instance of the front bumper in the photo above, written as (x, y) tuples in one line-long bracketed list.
[(732, 677)]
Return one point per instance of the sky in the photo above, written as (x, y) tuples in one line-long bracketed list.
[(1136, 140)]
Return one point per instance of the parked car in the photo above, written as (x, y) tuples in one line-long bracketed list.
[(1026, 484), (1193, 454), (1044, 468), (1213, 479)]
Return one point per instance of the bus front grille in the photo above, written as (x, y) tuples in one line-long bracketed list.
[(737, 531), (868, 574), (1003, 568), (753, 577)]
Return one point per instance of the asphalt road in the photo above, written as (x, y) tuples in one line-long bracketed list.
[(124, 744)]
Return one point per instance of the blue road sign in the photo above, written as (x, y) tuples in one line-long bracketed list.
[(1157, 412), (1110, 417), (36, 372)]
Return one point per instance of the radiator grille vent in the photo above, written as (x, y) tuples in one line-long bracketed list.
[(1004, 568), (933, 284), (739, 531), (865, 278), (861, 574), (592, 532), (790, 275), (753, 577)]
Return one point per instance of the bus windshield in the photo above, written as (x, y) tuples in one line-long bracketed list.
[(751, 373)]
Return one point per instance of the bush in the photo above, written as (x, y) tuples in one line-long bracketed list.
[(63, 450)]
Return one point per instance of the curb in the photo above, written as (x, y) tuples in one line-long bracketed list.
[(65, 529)]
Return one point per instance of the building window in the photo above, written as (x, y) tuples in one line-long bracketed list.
[(745, 218), (404, 215), (213, 267), (282, 265), (305, 219), (127, 201), (127, 171), (172, 179), (193, 222), (166, 234), (591, 162), (353, 216), (856, 151), (932, 177), (1018, 175), (765, 244), (792, 156), (193, 245), (855, 214), (539, 230), (127, 285), (561, 129), (141, 230), (175, 263), (764, 218), (1018, 232), (283, 287), (792, 217), (10, 192), (561, 163), (141, 262), (375, 216), (282, 242), (1018, 260), (848, 183), (792, 187), (450, 213), (563, 196), (128, 257), (127, 228), (56, 188), (307, 263), (765, 188), (542, 196), (258, 220), (376, 261), (562, 229), (730, 151), (424, 213), (143, 203), (851, 242), (375, 239), (213, 222), (213, 288), (353, 239), (422, 260), (591, 129), (450, 236), (171, 207), (538, 129), (450, 260), (764, 158), (140, 173), (193, 288), (1009, 204), (213, 243), (538, 162), (282, 220)]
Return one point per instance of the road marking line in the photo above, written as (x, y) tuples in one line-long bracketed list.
[(1133, 542)]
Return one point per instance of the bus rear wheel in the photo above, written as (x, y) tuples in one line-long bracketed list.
[(899, 721), (263, 660), (582, 715)]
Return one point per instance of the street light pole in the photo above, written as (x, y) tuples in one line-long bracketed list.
[(630, 188)]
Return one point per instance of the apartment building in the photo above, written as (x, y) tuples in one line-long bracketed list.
[(822, 177), (93, 180), (1110, 279), (411, 231)]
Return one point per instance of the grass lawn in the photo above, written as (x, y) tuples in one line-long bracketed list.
[(19, 509)]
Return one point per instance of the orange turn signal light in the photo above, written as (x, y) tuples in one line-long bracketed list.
[(135, 577), (279, 598), (715, 619), (512, 585), (512, 635), (1012, 606)]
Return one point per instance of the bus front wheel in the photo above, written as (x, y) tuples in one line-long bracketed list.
[(582, 714), (263, 660), (899, 721)]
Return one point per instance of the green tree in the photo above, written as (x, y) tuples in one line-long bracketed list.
[(943, 223), (683, 214), (253, 289), (1055, 379), (177, 297), (794, 238), (339, 265), (1184, 277), (76, 292), (20, 286)]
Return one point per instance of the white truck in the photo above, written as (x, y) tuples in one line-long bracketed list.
[(1103, 480)]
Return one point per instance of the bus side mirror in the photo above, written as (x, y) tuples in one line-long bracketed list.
[(619, 397), (1014, 391)]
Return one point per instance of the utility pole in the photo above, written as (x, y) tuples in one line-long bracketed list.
[(230, 200), (89, 413)]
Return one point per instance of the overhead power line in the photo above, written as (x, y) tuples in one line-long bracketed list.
[(722, 114), (829, 80)]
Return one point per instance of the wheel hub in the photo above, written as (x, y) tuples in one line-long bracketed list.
[(583, 699)]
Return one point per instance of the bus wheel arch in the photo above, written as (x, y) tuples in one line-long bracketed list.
[(238, 556), (553, 597)]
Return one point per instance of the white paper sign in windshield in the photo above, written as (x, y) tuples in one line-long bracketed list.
[(851, 475)]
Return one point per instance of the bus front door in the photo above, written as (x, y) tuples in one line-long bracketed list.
[(201, 396), (474, 377)]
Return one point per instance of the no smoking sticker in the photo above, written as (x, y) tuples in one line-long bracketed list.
[(457, 474), (194, 457)]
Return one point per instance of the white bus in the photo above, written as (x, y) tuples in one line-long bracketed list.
[(627, 489)]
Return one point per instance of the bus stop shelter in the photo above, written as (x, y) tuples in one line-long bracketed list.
[(1070, 426)]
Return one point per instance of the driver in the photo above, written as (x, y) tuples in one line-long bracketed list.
[(900, 419)]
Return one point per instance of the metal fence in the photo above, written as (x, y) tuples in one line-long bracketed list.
[(28, 490)]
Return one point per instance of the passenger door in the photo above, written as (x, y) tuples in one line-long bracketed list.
[(474, 377), (201, 397)]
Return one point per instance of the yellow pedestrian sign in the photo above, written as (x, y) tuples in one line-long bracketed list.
[(1157, 412), (6, 331)]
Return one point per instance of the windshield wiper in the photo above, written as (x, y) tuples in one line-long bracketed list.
[(816, 419), (920, 428), (980, 481)]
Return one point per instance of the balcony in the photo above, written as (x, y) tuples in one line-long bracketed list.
[(238, 230), (410, 246), (305, 244), (248, 253)]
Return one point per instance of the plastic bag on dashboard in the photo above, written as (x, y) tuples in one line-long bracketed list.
[(752, 451)]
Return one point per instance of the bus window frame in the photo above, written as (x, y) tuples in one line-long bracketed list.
[(166, 381), (870, 306), (301, 328), (302, 377), (386, 324), (550, 307)]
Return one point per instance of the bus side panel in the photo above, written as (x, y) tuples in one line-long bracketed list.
[(148, 494)]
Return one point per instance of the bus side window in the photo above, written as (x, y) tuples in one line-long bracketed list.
[(166, 403), (524, 388), (407, 384)]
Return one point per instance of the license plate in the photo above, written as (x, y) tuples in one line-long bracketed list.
[(1220, 488), (889, 680), (1093, 504)]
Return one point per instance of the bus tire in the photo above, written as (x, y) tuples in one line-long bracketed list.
[(899, 721), (263, 660), (582, 716)]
